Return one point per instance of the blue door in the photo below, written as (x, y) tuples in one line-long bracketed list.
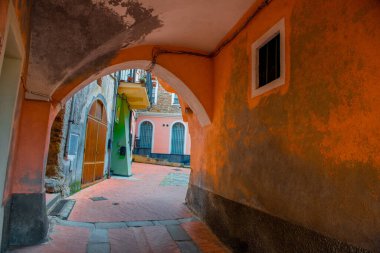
[(146, 134), (178, 138)]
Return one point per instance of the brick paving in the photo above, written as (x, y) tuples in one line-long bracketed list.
[(141, 214)]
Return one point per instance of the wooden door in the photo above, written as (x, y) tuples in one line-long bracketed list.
[(95, 148)]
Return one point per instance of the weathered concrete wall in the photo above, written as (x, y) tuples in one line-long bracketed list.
[(307, 152)]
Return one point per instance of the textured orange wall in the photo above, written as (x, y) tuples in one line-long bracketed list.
[(22, 9), (187, 68), (307, 152)]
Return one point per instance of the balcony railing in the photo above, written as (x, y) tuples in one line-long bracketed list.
[(138, 76)]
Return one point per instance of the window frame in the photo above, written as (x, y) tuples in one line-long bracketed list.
[(185, 136), (70, 155), (153, 132), (156, 88), (278, 28), (173, 95)]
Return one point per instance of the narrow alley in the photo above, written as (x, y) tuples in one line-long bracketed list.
[(139, 214), (265, 112)]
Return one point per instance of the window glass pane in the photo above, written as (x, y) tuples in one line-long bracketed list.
[(262, 65), (269, 61), (178, 139), (175, 100), (146, 132), (154, 91)]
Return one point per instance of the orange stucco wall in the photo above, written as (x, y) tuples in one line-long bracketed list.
[(186, 68), (307, 152), (22, 11)]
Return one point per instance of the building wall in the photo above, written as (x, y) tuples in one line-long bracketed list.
[(303, 157), (14, 18), (163, 114), (271, 171), (62, 171), (162, 126), (164, 102), (121, 164)]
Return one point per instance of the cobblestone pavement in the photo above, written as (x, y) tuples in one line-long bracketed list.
[(140, 214)]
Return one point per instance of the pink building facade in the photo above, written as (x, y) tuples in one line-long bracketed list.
[(163, 131), (160, 132)]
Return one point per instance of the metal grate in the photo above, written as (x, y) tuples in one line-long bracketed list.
[(98, 198), (58, 208)]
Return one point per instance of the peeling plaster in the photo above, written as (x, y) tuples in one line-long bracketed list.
[(73, 38)]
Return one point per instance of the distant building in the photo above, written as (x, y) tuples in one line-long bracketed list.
[(134, 93), (92, 136), (160, 131)]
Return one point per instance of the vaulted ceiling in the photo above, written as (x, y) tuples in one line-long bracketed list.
[(74, 36)]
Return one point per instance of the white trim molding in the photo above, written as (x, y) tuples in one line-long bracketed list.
[(278, 28)]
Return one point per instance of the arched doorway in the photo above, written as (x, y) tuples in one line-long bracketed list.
[(146, 136), (95, 147), (178, 138)]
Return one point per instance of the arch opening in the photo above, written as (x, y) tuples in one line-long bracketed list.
[(179, 86)]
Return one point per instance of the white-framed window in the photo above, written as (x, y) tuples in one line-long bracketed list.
[(175, 100), (268, 60)]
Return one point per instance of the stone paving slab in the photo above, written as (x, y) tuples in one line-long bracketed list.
[(98, 248), (98, 236), (139, 223), (75, 224), (108, 225), (178, 233), (188, 247), (166, 222)]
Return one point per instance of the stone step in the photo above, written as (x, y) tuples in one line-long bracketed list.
[(51, 201)]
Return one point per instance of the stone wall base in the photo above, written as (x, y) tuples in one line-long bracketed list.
[(27, 222), (245, 229)]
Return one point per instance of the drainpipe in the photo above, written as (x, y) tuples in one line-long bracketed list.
[(116, 82), (71, 121)]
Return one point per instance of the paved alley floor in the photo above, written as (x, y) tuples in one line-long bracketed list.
[(143, 213)]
